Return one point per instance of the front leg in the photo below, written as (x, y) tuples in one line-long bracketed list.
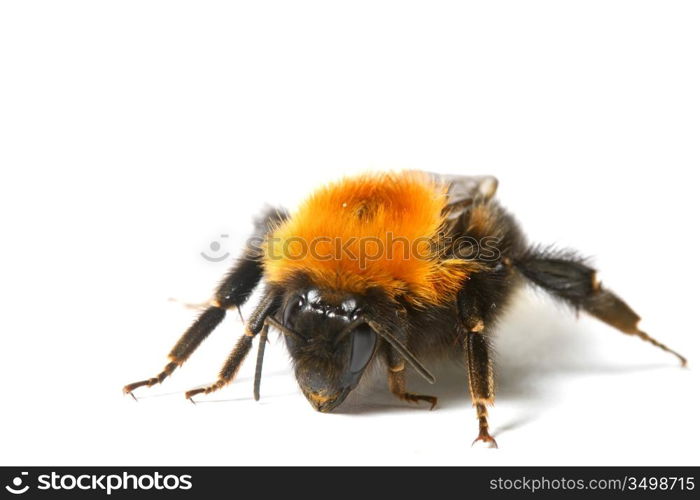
[(397, 385), (396, 366), (233, 292), (256, 323)]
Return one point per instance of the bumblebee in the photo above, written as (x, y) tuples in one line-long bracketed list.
[(390, 268)]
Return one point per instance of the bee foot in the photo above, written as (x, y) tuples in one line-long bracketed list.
[(487, 439), (416, 398), (194, 392)]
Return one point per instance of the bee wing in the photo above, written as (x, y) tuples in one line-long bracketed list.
[(462, 190)]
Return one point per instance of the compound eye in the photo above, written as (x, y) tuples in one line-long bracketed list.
[(292, 309), (363, 342)]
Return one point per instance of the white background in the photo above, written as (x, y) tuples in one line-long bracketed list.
[(133, 134)]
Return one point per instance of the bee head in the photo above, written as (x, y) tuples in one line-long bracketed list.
[(332, 344)]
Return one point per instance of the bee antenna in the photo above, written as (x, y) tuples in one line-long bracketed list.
[(262, 340), (287, 331), (348, 329), (402, 350)]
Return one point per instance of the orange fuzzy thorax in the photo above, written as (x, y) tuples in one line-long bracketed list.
[(360, 230)]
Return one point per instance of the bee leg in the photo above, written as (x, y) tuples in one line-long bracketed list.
[(481, 386), (475, 312), (397, 385), (609, 308), (189, 341), (233, 292), (268, 305), (397, 380), (230, 368), (571, 280)]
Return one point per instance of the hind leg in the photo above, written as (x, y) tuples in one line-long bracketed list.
[(569, 279), (608, 307)]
